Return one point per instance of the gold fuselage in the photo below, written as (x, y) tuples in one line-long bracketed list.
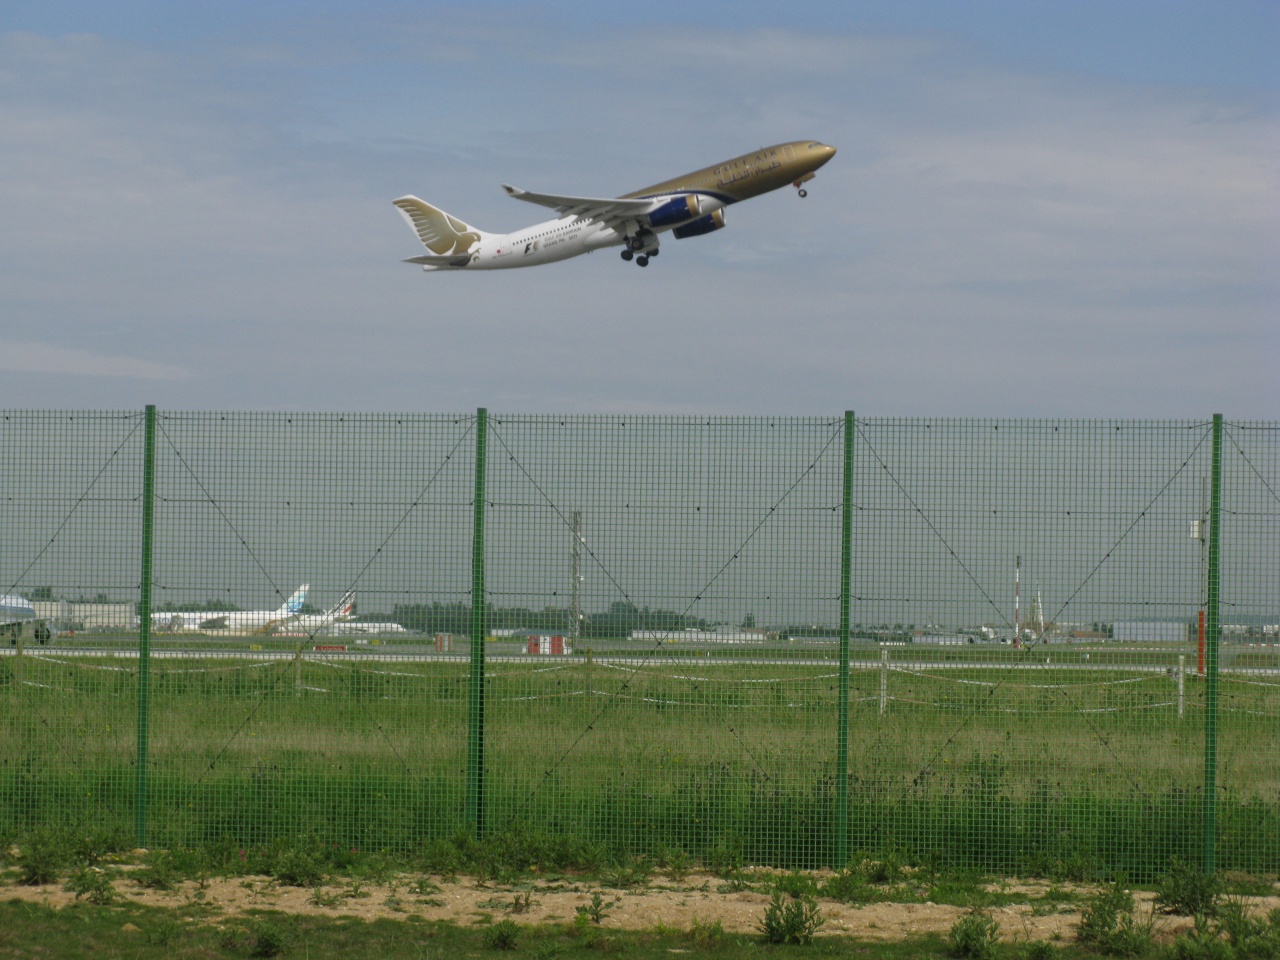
[(749, 175)]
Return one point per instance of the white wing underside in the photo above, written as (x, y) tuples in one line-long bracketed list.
[(429, 260), (611, 212)]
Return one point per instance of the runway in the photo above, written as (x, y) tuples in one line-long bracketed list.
[(415, 654)]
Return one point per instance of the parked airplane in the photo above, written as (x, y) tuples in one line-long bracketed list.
[(688, 206), (312, 623), (240, 621), (16, 615)]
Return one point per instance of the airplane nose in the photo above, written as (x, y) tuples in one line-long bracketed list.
[(824, 152)]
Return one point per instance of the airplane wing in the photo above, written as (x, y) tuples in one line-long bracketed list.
[(434, 261), (609, 211)]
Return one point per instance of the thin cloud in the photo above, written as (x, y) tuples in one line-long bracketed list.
[(46, 358)]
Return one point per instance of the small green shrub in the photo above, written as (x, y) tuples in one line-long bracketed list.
[(94, 884), (259, 938), (1109, 926), (850, 886), (791, 920), (90, 845), (1186, 891), (597, 909), (1101, 915), (708, 935), (1038, 950), (161, 872), (502, 935), (887, 869), (1250, 936), (974, 936), (298, 868), (795, 885), (42, 858), (632, 873), (1203, 943), (166, 932), (675, 862)]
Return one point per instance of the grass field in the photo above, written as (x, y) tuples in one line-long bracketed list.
[(1082, 762)]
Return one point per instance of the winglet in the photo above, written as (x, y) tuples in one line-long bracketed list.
[(512, 191)]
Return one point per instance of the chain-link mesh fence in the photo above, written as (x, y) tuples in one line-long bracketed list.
[(1015, 645)]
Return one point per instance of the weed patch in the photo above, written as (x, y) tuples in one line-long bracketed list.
[(974, 936), (791, 920)]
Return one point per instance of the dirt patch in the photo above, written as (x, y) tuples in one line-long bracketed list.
[(673, 905)]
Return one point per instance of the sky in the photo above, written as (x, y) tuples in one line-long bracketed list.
[(1056, 209)]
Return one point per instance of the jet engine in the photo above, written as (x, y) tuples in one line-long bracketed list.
[(713, 221), (676, 210)]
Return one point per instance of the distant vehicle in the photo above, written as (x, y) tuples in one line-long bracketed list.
[(239, 621), (688, 206), (17, 616)]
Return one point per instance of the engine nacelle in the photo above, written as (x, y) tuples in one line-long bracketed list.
[(713, 221), (676, 210)]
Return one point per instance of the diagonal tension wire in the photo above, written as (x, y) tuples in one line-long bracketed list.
[(217, 506), (932, 526), (659, 646), (74, 507), (1245, 457), (1008, 671), (311, 636), (39, 715), (279, 672), (417, 501)]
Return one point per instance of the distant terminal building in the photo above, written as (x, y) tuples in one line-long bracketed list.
[(75, 615), (1150, 631)]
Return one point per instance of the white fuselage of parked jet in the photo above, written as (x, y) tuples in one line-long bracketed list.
[(232, 621), (687, 206)]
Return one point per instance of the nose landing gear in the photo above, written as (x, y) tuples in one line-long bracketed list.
[(799, 185)]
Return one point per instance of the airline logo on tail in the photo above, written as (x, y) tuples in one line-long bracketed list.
[(346, 607), (293, 606)]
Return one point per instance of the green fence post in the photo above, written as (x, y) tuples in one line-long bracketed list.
[(846, 576), (144, 624), (475, 745), (1212, 629)]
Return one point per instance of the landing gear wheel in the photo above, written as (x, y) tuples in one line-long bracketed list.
[(635, 244), (642, 261), (653, 252), (803, 192), (627, 254)]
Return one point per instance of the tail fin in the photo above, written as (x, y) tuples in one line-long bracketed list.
[(294, 604), (345, 608), (440, 233)]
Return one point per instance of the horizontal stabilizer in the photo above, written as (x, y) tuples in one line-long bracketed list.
[(431, 261)]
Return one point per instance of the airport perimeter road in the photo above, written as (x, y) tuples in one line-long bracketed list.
[(683, 663)]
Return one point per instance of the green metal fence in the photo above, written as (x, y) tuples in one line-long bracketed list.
[(1016, 645)]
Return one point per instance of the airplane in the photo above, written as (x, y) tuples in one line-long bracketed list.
[(312, 623), (16, 613), (688, 206), (241, 621)]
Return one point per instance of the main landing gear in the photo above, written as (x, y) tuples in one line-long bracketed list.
[(640, 248)]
